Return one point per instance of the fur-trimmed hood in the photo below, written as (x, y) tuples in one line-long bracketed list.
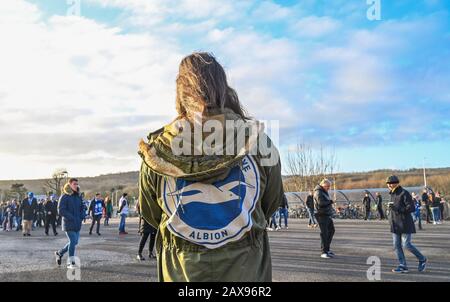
[(67, 190), (158, 155)]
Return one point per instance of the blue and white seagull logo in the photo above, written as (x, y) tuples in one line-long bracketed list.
[(212, 214)]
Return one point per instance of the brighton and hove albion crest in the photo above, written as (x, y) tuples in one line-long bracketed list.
[(213, 214)]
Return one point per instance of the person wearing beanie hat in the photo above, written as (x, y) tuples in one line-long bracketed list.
[(402, 224)]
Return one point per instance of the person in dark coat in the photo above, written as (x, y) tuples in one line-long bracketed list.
[(283, 211), (426, 204), (324, 212), (72, 210), (366, 202), (145, 230), (40, 214), (28, 210), (402, 224), (312, 223), (379, 202), (96, 207), (51, 211)]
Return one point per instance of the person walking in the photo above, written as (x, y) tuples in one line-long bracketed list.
[(210, 209), (402, 225), (366, 203), (284, 211), (441, 206), (96, 207), (51, 212), (8, 212), (435, 203), (273, 226), (40, 214), (108, 210), (123, 212), (379, 202), (18, 216), (426, 204), (28, 210), (72, 210), (312, 223), (324, 212), (146, 231), (417, 215)]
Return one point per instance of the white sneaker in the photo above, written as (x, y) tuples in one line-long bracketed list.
[(71, 266), (325, 256), (270, 229), (277, 229)]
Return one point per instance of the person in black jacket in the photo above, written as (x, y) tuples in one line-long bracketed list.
[(402, 224), (96, 207), (145, 230), (366, 203), (28, 210), (312, 223), (426, 204), (284, 207), (379, 202), (324, 211), (40, 214), (51, 211)]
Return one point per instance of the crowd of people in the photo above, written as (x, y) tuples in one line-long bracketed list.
[(69, 212)]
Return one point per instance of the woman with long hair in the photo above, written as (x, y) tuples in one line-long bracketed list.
[(210, 200)]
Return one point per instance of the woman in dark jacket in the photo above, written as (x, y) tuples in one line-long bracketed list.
[(145, 230), (72, 210)]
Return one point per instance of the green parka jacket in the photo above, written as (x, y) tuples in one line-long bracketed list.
[(210, 210)]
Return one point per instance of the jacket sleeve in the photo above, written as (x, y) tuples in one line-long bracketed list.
[(322, 202), (91, 206), (122, 204), (149, 208), (273, 193), (82, 210), (62, 209)]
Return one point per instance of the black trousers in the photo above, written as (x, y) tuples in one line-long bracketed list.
[(429, 215), (151, 244), (50, 220), (380, 212), (367, 214), (95, 219), (326, 226), (441, 208)]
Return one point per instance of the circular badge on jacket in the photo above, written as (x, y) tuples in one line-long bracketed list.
[(214, 214)]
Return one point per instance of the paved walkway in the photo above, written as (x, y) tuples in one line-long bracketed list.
[(295, 254)]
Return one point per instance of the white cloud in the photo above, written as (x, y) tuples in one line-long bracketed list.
[(315, 27)]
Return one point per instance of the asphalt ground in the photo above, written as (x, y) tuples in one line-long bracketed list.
[(295, 254)]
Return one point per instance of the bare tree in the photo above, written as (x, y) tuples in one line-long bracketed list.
[(54, 184), (306, 166), (17, 190)]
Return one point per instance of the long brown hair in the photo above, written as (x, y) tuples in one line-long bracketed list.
[(202, 85)]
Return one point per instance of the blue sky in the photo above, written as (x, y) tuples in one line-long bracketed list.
[(375, 91)]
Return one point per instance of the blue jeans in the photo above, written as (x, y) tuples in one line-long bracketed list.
[(70, 246), (312, 219), (436, 214), (273, 220), (404, 241), (122, 222), (284, 213)]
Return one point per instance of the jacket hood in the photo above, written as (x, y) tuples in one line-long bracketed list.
[(319, 188), (158, 155), (67, 190)]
